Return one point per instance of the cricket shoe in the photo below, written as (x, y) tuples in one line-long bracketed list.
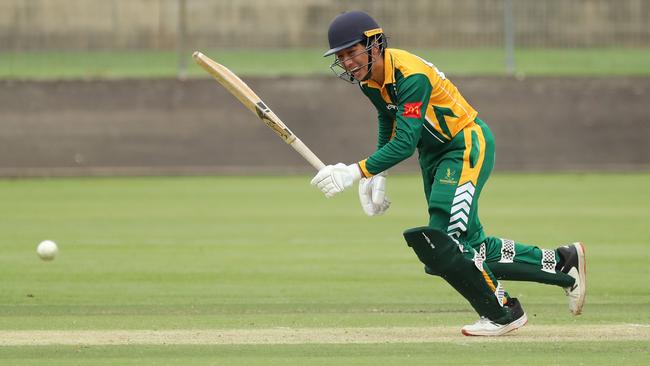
[(573, 263), (486, 327)]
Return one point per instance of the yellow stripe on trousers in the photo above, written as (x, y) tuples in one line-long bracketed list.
[(489, 281), (471, 173)]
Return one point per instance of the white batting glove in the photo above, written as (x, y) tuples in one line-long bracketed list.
[(334, 179), (372, 195)]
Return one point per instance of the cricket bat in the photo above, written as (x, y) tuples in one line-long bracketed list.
[(250, 100)]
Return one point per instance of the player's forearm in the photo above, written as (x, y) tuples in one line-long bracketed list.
[(391, 154), (385, 129)]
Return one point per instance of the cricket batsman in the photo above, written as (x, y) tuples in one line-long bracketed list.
[(419, 108)]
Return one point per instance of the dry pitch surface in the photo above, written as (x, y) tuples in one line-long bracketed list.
[(531, 333)]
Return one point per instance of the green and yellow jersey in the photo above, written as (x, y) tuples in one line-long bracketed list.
[(418, 107)]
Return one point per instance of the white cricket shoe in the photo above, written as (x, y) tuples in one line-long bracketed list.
[(576, 267), (486, 327)]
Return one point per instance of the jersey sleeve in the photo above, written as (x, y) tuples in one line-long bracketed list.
[(413, 94), (384, 129), (385, 122)]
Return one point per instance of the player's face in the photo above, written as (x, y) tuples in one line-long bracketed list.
[(354, 60)]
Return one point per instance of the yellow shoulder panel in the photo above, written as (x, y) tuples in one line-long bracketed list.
[(409, 64)]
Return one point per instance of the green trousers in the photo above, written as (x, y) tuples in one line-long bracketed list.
[(453, 180)]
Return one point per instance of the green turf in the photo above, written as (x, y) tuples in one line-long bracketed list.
[(260, 252), (274, 62), (543, 354)]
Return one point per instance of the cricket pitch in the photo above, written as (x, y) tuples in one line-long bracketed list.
[(530, 333)]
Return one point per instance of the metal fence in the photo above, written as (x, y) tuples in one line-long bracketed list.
[(28, 25)]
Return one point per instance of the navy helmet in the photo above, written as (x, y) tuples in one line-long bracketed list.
[(350, 28)]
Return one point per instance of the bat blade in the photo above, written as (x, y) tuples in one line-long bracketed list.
[(245, 94), (254, 103)]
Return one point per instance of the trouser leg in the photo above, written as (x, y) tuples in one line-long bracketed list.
[(510, 260)]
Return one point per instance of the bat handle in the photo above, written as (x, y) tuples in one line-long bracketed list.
[(304, 151)]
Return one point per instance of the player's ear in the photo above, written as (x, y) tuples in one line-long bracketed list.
[(376, 49)]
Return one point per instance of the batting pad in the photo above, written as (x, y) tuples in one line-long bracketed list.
[(443, 257)]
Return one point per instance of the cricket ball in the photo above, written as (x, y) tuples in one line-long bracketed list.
[(47, 250)]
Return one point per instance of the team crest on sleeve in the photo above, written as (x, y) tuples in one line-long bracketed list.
[(412, 110)]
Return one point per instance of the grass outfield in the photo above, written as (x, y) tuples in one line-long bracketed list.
[(273, 62), (264, 270)]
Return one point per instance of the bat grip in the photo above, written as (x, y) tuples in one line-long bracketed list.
[(306, 153)]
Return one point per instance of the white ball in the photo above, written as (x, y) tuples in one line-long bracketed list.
[(47, 250)]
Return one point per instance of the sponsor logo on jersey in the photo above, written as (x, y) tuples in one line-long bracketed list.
[(412, 110), (391, 107)]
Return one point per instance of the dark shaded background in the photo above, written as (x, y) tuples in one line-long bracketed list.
[(153, 127)]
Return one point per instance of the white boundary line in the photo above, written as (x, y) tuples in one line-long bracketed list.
[(531, 333)]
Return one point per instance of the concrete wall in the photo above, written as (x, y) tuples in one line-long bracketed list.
[(195, 127), (154, 24)]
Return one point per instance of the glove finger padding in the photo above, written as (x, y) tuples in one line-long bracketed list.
[(379, 199), (378, 187), (380, 209), (365, 189), (322, 174), (334, 179)]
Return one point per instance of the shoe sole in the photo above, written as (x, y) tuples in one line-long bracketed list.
[(523, 320), (582, 268)]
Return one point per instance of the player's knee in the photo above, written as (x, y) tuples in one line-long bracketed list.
[(435, 249)]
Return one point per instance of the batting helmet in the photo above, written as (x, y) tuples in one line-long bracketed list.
[(350, 28)]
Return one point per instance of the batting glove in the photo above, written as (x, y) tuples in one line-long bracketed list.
[(372, 195), (334, 179)]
